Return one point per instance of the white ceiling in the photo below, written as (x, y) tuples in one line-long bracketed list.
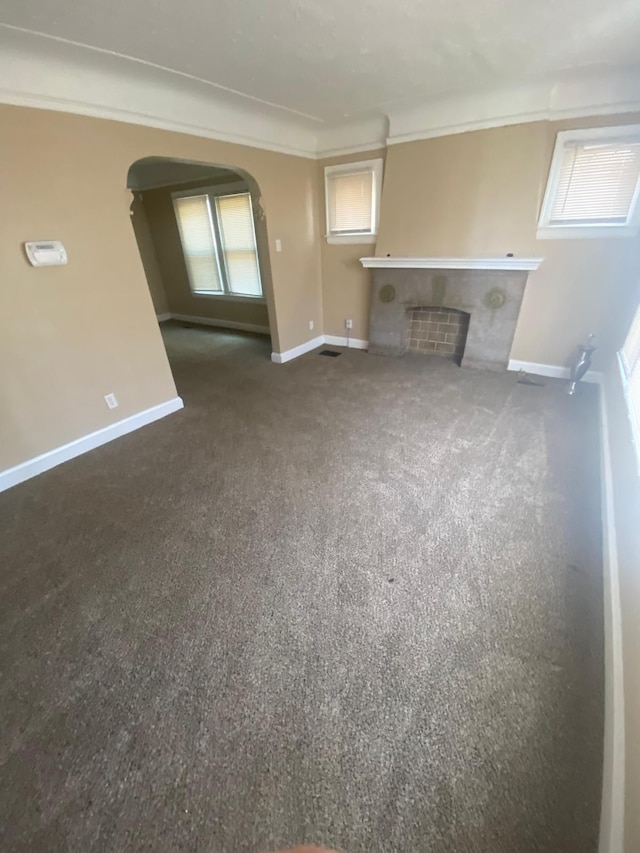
[(323, 62), (330, 58)]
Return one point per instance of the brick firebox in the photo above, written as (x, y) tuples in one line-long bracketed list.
[(439, 331)]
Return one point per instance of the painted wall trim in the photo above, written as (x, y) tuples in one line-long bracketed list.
[(553, 371), (40, 464), (452, 263), (296, 352), (350, 343), (314, 343), (162, 318), (220, 324), (613, 781), (351, 239)]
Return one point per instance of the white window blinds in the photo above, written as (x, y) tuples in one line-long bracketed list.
[(350, 202), (597, 183), (219, 243), (235, 220), (193, 214)]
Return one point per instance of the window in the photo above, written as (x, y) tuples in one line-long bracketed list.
[(352, 197), (198, 243), (238, 240), (593, 184), (219, 243), (630, 364)]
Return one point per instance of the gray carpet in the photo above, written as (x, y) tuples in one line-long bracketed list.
[(351, 601)]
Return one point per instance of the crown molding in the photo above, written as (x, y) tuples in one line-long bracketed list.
[(51, 74), (374, 145), (352, 137), (574, 96), (46, 73), (19, 99)]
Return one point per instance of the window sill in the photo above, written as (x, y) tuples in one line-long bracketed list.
[(351, 239), (584, 232), (228, 297)]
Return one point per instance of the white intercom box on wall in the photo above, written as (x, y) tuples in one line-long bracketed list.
[(46, 253)]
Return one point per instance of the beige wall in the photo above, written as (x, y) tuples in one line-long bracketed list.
[(345, 282), (147, 249), (479, 194), (168, 249), (69, 335)]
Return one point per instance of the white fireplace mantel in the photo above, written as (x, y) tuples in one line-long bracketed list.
[(452, 263)]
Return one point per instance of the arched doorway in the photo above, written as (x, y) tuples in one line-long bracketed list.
[(202, 236)]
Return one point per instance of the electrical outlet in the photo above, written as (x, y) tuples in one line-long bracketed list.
[(278, 245), (348, 324), (111, 401), (311, 325)]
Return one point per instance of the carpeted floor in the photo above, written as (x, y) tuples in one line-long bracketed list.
[(354, 601)]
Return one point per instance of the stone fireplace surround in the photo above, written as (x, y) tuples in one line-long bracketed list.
[(490, 290)]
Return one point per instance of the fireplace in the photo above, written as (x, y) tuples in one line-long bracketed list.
[(488, 290)]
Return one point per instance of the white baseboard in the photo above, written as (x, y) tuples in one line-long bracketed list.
[(351, 343), (221, 324), (612, 812), (332, 340), (162, 318), (39, 464), (553, 371), (288, 355)]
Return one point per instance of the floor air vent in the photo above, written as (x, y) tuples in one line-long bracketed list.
[(329, 353)]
